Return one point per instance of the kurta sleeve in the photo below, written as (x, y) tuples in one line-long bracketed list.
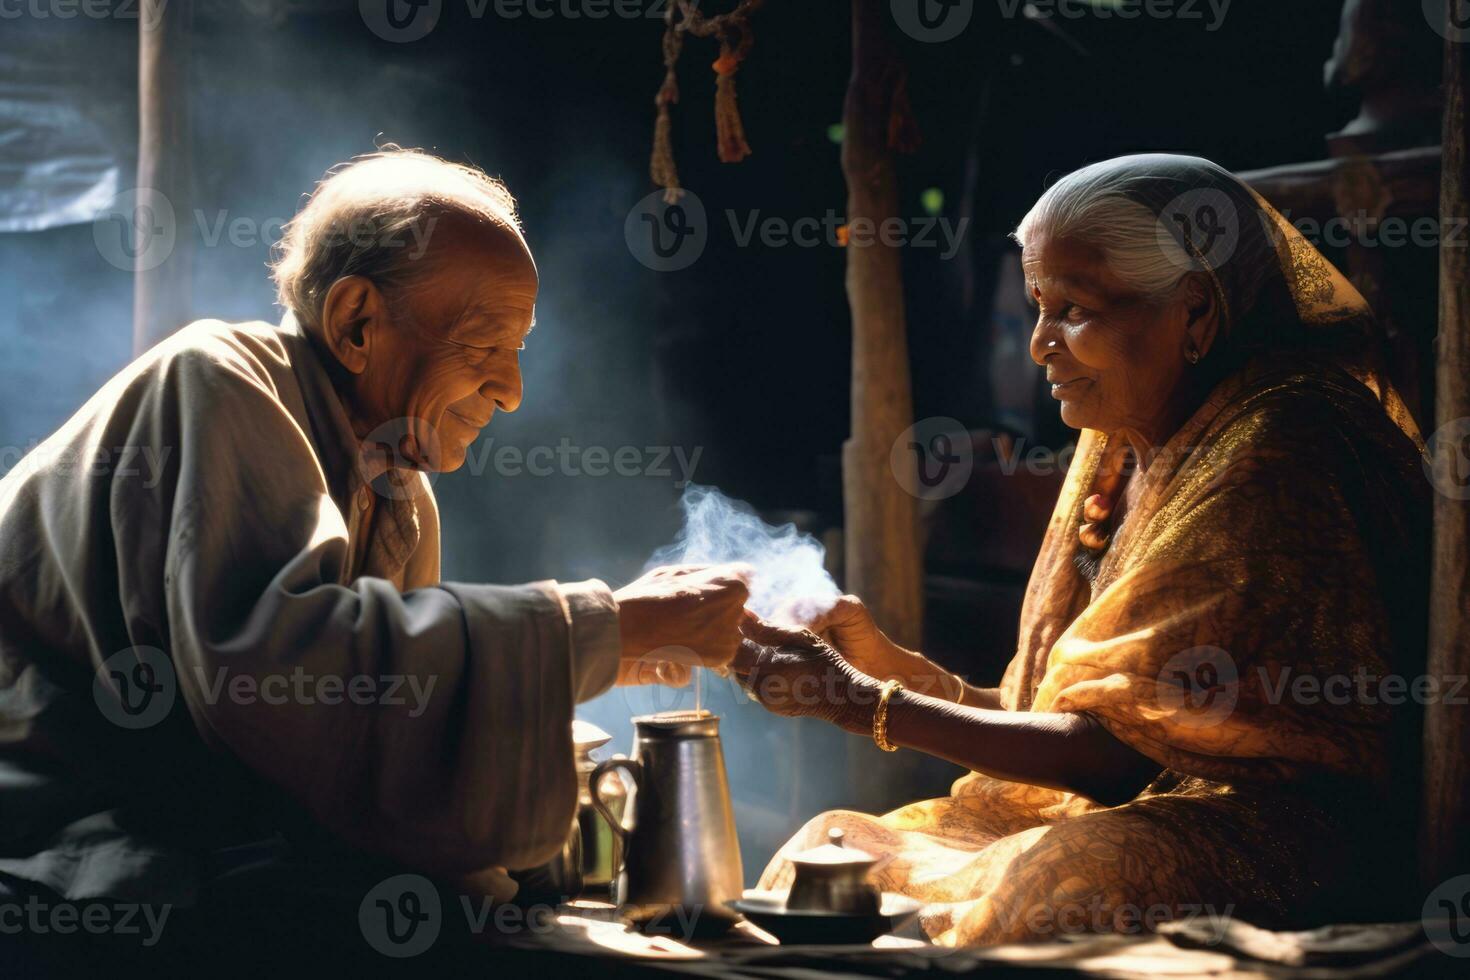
[(432, 725)]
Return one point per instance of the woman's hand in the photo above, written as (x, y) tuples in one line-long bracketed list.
[(848, 626), (793, 672)]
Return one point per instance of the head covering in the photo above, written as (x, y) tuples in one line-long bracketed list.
[(1276, 291)]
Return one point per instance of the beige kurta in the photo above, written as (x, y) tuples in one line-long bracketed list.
[(313, 673)]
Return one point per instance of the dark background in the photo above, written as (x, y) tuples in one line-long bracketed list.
[(742, 356)]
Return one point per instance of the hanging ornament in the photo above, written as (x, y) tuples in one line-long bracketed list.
[(732, 29)]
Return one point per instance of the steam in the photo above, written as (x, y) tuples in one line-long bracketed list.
[(789, 578)]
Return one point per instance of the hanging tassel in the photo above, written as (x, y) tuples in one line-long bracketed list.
[(729, 129), (662, 167)]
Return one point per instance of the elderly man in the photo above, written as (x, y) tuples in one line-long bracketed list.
[(253, 643)]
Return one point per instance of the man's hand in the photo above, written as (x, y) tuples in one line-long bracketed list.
[(680, 616)]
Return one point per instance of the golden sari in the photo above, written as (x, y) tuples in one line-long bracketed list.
[(1238, 631)]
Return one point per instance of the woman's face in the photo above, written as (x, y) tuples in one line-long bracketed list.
[(1115, 360)]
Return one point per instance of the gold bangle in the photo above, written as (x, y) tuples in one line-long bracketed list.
[(880, 716)]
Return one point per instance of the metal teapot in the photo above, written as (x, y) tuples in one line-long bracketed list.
[(681, 856)]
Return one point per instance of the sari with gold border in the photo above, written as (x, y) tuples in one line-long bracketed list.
[(1242, 630)]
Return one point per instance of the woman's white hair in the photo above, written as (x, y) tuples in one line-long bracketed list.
[(1093, 205), (374, 217)]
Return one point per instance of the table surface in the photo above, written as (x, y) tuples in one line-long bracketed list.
[(1203, 948)]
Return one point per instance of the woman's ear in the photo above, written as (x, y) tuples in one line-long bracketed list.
[(352, 315), (1202, 313)]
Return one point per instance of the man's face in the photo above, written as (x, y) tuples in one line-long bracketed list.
[(448, 357)]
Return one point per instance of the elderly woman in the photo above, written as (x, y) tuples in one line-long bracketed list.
[(1194, 720)]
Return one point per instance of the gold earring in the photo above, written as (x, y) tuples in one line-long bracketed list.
[(1192, 355)]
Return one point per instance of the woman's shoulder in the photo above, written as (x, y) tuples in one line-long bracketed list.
[(1313, 411)]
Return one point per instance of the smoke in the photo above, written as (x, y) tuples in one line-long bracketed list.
[(790, 578)]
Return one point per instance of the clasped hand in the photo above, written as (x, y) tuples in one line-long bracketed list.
[(794, 672)]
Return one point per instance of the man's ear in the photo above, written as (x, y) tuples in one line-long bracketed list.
[(1202, 311), (353, 314)]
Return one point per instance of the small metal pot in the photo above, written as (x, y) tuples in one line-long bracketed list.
[(833, 878)]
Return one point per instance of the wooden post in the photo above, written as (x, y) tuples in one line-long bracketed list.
[(1445, 841), (162, 290), (883, 563)]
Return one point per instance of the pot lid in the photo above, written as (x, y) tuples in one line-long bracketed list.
[(834, 854), (587, 736)]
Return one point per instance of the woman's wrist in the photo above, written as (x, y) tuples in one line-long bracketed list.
[(923, 676)]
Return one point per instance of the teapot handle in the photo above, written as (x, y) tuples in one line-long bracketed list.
[(594, 785)]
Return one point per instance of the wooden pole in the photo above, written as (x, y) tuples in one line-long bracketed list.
[(883, 563), (162, 290), (1446, 840)]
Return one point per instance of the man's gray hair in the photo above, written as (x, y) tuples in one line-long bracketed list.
[(1093, 205), (374, 217)]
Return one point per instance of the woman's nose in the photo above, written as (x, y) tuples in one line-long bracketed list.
[(1046, 339)]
